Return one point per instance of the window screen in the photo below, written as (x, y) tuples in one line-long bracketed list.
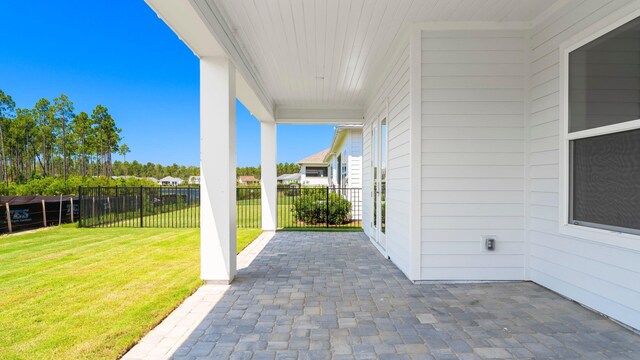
[(605, 177), (604, 79)]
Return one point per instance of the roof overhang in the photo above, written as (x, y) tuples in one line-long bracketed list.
[(338, 137), (286, 115)]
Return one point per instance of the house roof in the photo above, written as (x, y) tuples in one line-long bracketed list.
[(247, 178), (171, 178), (315, 158), (339, 133), (289, 177)]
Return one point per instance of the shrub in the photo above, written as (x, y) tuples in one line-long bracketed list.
[(56, 185), (311, 208), (248, 193)]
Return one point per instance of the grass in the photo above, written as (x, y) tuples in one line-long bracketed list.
[(71, 293), (182, 218), (245, 237)]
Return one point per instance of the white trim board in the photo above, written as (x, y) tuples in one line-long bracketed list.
[(285, 115), (415, 154)]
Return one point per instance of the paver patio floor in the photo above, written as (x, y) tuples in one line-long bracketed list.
[(333, 296)]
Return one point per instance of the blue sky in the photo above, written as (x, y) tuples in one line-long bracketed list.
[(117, 53)]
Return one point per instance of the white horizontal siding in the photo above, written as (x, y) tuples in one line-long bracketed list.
[(598, 275), (394, 91), (472, 154), (354, 154)]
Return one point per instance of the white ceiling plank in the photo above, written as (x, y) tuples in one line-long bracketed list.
[(355, 17), (344, 22), (297, 9), (296, 74), (308, 9), (325, 54), (387, 33), (252, 41), (332, 17), (264, 33), (321, 42), (279, 45), (370, 46)]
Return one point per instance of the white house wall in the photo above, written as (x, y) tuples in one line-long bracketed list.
[(354, 158), (350, 147), (601, 276), (472, 154), (394, 90)]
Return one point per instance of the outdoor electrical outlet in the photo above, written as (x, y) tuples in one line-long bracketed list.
[(488, 242)]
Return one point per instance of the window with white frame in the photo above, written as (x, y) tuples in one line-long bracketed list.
[(603, 131)]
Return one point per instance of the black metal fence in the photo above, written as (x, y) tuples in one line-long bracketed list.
[(179, 207), (303, 207), (154, 207)]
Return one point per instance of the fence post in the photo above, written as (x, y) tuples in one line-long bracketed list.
[(79, 206), (327, 207), (60, 212), (8, 218), (44, 214), (71, 208), (141, 208), (117, 198)]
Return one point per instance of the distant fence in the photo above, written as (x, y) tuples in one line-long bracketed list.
[(19, 213), (179, 207), (303, 207), (153, 207)]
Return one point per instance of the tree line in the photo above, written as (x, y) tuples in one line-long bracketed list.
[(282, 168), (50, 139), (135, 168)]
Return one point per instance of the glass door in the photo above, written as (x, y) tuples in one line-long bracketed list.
[(382, 186), (379, 180)]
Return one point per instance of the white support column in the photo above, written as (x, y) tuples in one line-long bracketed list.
[(269, 174), (217, 170)]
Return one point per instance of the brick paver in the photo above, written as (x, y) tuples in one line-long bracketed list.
[(333, 296)]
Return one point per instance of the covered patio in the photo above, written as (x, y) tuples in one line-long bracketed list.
[(471, 112), (296, 296)]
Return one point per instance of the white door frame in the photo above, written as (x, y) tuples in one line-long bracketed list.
[(378, 237)]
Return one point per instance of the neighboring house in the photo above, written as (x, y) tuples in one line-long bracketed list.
[(345, 157), (514, 123), (248, 180), (194, 180), (314, 171), (286, 179), (152, 179), (170, 181), (345, 165)]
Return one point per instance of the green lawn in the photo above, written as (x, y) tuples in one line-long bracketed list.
[(92, 293), (245, 237)]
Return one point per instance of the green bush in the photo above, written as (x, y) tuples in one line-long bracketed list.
[(311, 208), (248, 193)]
